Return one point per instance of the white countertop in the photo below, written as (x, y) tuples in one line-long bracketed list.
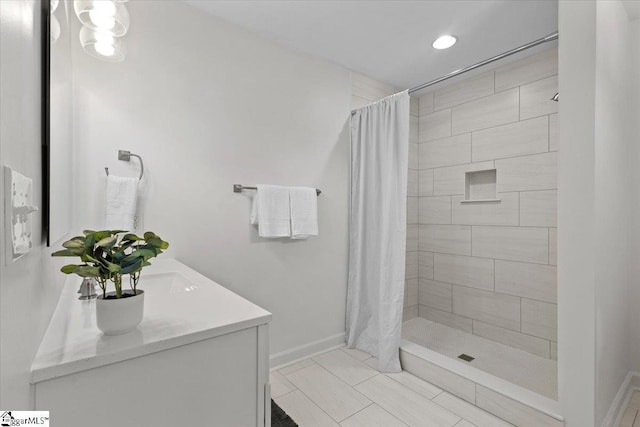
[(181, 307)]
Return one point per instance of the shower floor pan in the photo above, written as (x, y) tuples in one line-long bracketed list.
[(511, 383)]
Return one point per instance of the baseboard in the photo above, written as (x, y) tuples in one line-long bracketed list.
[(620, 402), (304, 351)]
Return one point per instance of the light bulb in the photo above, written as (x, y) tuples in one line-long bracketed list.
[(101, 20), (105, 49), (104, 7), (444, 42), (104, 44)]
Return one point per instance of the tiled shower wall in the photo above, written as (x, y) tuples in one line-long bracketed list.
[(489, 268), (365, 90)]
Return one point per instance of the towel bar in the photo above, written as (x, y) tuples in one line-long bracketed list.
[(126, 156), (237, 188)]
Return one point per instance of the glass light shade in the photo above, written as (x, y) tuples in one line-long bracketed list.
[(53, 5), (103, 15), (102, 45), (54, 30)]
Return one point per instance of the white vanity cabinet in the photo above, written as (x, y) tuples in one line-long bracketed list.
[(200, 357)]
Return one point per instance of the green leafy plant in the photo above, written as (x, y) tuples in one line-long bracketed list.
[(106, 256)]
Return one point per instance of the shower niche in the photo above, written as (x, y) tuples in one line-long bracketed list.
[(480, 186)]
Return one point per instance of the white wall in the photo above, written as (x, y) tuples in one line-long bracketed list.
[(615, 192), (207, 105), (596, 262), (634, 295), (634, 291), (29, 287), (576, 245)]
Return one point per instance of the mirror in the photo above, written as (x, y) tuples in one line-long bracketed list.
[(58, 116)]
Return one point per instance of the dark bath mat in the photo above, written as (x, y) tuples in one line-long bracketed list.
[(279, 418)]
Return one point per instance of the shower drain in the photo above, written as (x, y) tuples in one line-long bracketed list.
[(466, 357)]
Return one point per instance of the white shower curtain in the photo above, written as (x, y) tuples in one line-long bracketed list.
[(378, 226)]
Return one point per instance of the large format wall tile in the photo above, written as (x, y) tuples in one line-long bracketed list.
[(413, 233), (467, 90), (412, 183), (523, 279), (553, 246), (511, 140), (411, 292), (535, 172), (434, 294), (535, 67), (413, 129), (489, 307), (535, 98), (434, 210), (450, 180), (425, 265), (450, 151), (414, 156), (446, 318), (553, 132), (449, 239), (540, 319), (414, 106), (487, 112), (434, 125), (464, 270), (409, 313), (511, 338), (539, 208), (512, 243), (504, 212), (425, 182), (411, 265), (412, 210), (426, 104)]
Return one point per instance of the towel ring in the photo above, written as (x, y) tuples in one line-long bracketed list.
[(126, 156)]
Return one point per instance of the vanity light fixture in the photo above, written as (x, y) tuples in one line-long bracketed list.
[(444, 42), (103, 15), (104, 22)]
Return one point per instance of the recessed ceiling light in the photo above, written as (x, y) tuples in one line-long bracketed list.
[(444, 42)]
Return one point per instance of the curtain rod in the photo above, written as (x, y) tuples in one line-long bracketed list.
[(545, 39)]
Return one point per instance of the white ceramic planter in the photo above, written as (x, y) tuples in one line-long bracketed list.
[(119, 316)]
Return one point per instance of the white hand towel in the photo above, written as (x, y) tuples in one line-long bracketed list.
[(271, 211), (122, 195), (304, 212)]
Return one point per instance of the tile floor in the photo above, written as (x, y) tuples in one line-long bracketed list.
[(536, 373), (342, 388), (631, 416)]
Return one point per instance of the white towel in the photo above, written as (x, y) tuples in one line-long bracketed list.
[(270, 211), (303, 203), (122, 195)]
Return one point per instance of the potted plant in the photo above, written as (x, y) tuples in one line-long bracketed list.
[(108, 257)]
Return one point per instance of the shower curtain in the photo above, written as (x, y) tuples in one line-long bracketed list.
[(378, 226)]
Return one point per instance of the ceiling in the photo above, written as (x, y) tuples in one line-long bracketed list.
[(391, 40)]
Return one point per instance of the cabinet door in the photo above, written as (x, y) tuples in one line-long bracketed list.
[(207, 383)]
